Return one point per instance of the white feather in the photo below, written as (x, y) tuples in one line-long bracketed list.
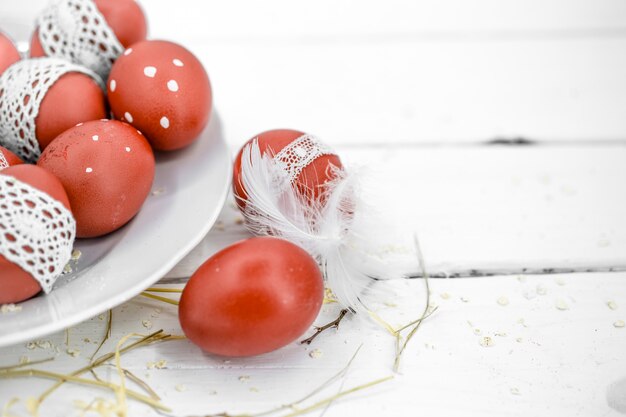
[(338, 229)]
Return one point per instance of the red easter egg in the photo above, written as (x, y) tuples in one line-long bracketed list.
[(10, 158), (253, 297), (73, 99), (107, 169), (163, 90), (309, 182), (17, 284), (124, 17), (36, 49), (9, 54)]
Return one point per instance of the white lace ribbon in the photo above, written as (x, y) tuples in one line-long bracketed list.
[(23, 87), (299, 154), (76, 31), (36, 231), (3, 162)]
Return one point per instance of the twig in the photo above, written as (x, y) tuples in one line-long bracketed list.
[(95, 375), (121, 392), (107, 334), (22, 365), (337, 396), (318, 330), (383, 323), (325, 384), (159, 289), (402, 346), (406, 326), (100, 361), (142, 384), (322, 403), (79, 380), (158, 297)]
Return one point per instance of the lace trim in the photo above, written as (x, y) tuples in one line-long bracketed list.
[(299, 154), (36, 231), (76, 31), (3, 162), (23, 87)]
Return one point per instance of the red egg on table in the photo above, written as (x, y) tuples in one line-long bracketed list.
[(18, 283), (43, 97), (8, 158), (253, 297), (9, 54), (107, 168), (163, 90), (316, 160)]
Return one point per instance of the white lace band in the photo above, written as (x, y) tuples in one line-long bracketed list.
[(299, 154), (36, 231), (23, 87), (76, 31), (3, 162)]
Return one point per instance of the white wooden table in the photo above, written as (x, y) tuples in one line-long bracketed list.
[(531, 237)]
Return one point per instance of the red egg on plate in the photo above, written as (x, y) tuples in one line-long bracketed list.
[(310, 181), (8, 158), (163, 90), (252, 297), (107, 168), (73, 99), (9, 54), (124, 17), (43, 97), (16, 283)]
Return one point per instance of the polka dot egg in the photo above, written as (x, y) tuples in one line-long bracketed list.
[(107, 169), (163, 90)]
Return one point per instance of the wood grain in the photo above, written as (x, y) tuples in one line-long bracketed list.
[(411, 90), (486, 209), (543, 360)]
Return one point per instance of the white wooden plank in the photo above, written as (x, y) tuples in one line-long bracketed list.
[(544, 361), (408, 92), (487, 208), (377, 88), (289, 18), (245, 20)]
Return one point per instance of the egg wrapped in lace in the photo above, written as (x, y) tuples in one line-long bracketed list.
[(37, 231), (92, 33), (42, 97)]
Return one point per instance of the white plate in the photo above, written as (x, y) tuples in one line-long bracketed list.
[(188, 193)]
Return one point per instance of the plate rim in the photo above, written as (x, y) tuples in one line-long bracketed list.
[(133, 291)]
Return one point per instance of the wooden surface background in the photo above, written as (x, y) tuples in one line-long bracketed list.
[(434, 97)]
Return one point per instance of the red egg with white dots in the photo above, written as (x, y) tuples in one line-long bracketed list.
[(8, 158), (310, 181), (163, 90), (9, 54), (16, 283), (125, 18), (107, 168)]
